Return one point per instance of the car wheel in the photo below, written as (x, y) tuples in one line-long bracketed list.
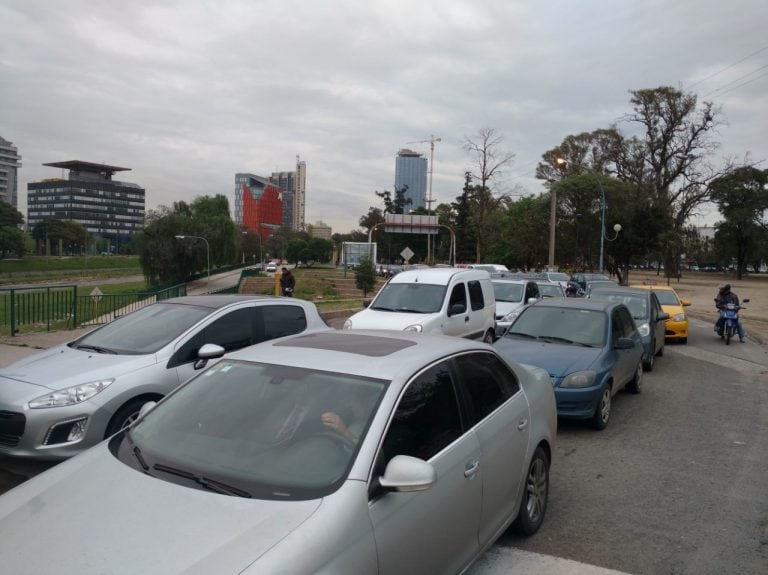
[(684, 340), (635, 384), (603, 410), (126, 415), (648, 363), (533, 505), (488, 338), (660, 353)]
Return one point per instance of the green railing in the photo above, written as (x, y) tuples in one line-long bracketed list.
[(60, 307)]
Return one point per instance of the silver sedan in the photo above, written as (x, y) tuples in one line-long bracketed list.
[(334, 452), (58, 402)]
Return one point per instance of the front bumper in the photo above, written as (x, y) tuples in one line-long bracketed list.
[(676, 329), (578, 403)]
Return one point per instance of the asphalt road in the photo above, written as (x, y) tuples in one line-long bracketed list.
[(676, 484)]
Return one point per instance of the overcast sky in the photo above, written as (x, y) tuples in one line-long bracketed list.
[(188, 93)]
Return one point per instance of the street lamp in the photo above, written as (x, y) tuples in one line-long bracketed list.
[(207, 251), (616, 227), (553, 220)]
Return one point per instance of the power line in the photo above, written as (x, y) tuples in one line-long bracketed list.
[(764, 48), (742, 84)]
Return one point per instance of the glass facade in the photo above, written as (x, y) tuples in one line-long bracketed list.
[(411, 171)]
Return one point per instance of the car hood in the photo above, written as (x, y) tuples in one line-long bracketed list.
[(93, 514), (504, 307), (672, 310), (557, 359), (372, 319), (62, 366)]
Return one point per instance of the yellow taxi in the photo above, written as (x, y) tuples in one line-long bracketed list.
[(677, 324)]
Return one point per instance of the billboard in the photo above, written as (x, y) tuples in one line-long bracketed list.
[(411, 224)]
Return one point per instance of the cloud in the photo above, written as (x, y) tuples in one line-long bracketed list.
[(188, 93)]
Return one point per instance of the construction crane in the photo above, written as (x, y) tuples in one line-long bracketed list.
[(431, 141)]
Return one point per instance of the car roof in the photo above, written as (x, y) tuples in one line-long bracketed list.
[(440, 276), (653, 286), (220, 301), (369, 353), (577, 303), (622, 290)]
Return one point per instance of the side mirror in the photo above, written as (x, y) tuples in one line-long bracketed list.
[(663, 317), (146, 408), (624, 343), (685, 302), (208, 351), (532, 300), (745, 300), (457, 309), (406, 473)]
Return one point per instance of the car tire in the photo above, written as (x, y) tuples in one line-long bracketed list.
[(648, 363), (635, 384), (488, 337), (126, 415), (684, 340), (603, 410), (533, 504), (660, 353)]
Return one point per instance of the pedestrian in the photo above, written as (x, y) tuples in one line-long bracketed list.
[(287, 282)]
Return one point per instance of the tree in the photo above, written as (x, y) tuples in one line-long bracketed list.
[(11, 237), (742, 199), (489, 163), (365, 276), (396, 204)]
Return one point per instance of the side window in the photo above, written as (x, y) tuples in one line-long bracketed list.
[(427, 417), (458, 296), (487, 381), (232, 331), (476, 294), (531, 290), (274, 321), (623, 324)]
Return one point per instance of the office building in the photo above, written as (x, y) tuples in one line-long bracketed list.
[(10, 162), (411, 174), (293, 185), (107, 208), (258, 204), (321, 230)]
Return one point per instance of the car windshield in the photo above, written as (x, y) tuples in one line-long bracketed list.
[(558, 277), (410, 297), (667, 297), (550, 290), (262, 430), (506, 291), (638, 305), (561, 325), (144, 331)]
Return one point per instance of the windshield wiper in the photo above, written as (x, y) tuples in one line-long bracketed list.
[(564, 340), (380, 308), (521, 334), (410, 310), (97, 349), (205, 482)]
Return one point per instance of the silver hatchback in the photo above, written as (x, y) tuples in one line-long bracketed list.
[(57, 402), (317, 453)]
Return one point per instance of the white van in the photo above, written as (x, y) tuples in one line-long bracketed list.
[(449, 301)]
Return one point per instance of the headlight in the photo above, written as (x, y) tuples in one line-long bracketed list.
[(71, 395), (644, 329), (417, 327), (579, 379), (679, 317), (512, 316), (347, 324)]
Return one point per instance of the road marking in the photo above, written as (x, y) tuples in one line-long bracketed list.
[(511, 561)]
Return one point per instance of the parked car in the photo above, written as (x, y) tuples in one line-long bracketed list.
[(582, 278), (271, 267), (598, 284), (648, 315), (511, 296), (550, 289), (251, 465), (58, 402), (449, 301), (676, 327), (590, 348), (558, 277)]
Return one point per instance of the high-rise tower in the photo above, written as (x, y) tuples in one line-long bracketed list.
[(10, 162), (411, 173)]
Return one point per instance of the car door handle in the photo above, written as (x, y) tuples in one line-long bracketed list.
[(522, 424), (471, 468), (466, 319)]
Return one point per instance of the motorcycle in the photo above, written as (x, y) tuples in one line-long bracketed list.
[(729, 315)]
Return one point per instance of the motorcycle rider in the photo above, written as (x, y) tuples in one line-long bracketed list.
[(726, 296)]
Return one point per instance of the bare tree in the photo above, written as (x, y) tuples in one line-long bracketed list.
[(489, 161)]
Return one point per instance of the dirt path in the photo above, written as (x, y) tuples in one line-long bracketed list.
[(700, 289)]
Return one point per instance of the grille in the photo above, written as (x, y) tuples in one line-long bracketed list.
[(11, 427)]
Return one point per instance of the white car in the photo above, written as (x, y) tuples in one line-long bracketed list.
[(447, 301), (58, 402), (344, 453), (512, 295)]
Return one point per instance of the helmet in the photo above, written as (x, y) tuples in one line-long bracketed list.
[(725, 287)]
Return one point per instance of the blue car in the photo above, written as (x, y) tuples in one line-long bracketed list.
[(591, 349)]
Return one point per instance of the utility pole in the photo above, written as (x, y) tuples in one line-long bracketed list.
[(431, 141)]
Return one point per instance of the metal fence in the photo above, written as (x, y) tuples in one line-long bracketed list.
[(61, 307)]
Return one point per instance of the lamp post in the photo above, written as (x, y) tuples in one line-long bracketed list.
[(207, 251), (616, 227)]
